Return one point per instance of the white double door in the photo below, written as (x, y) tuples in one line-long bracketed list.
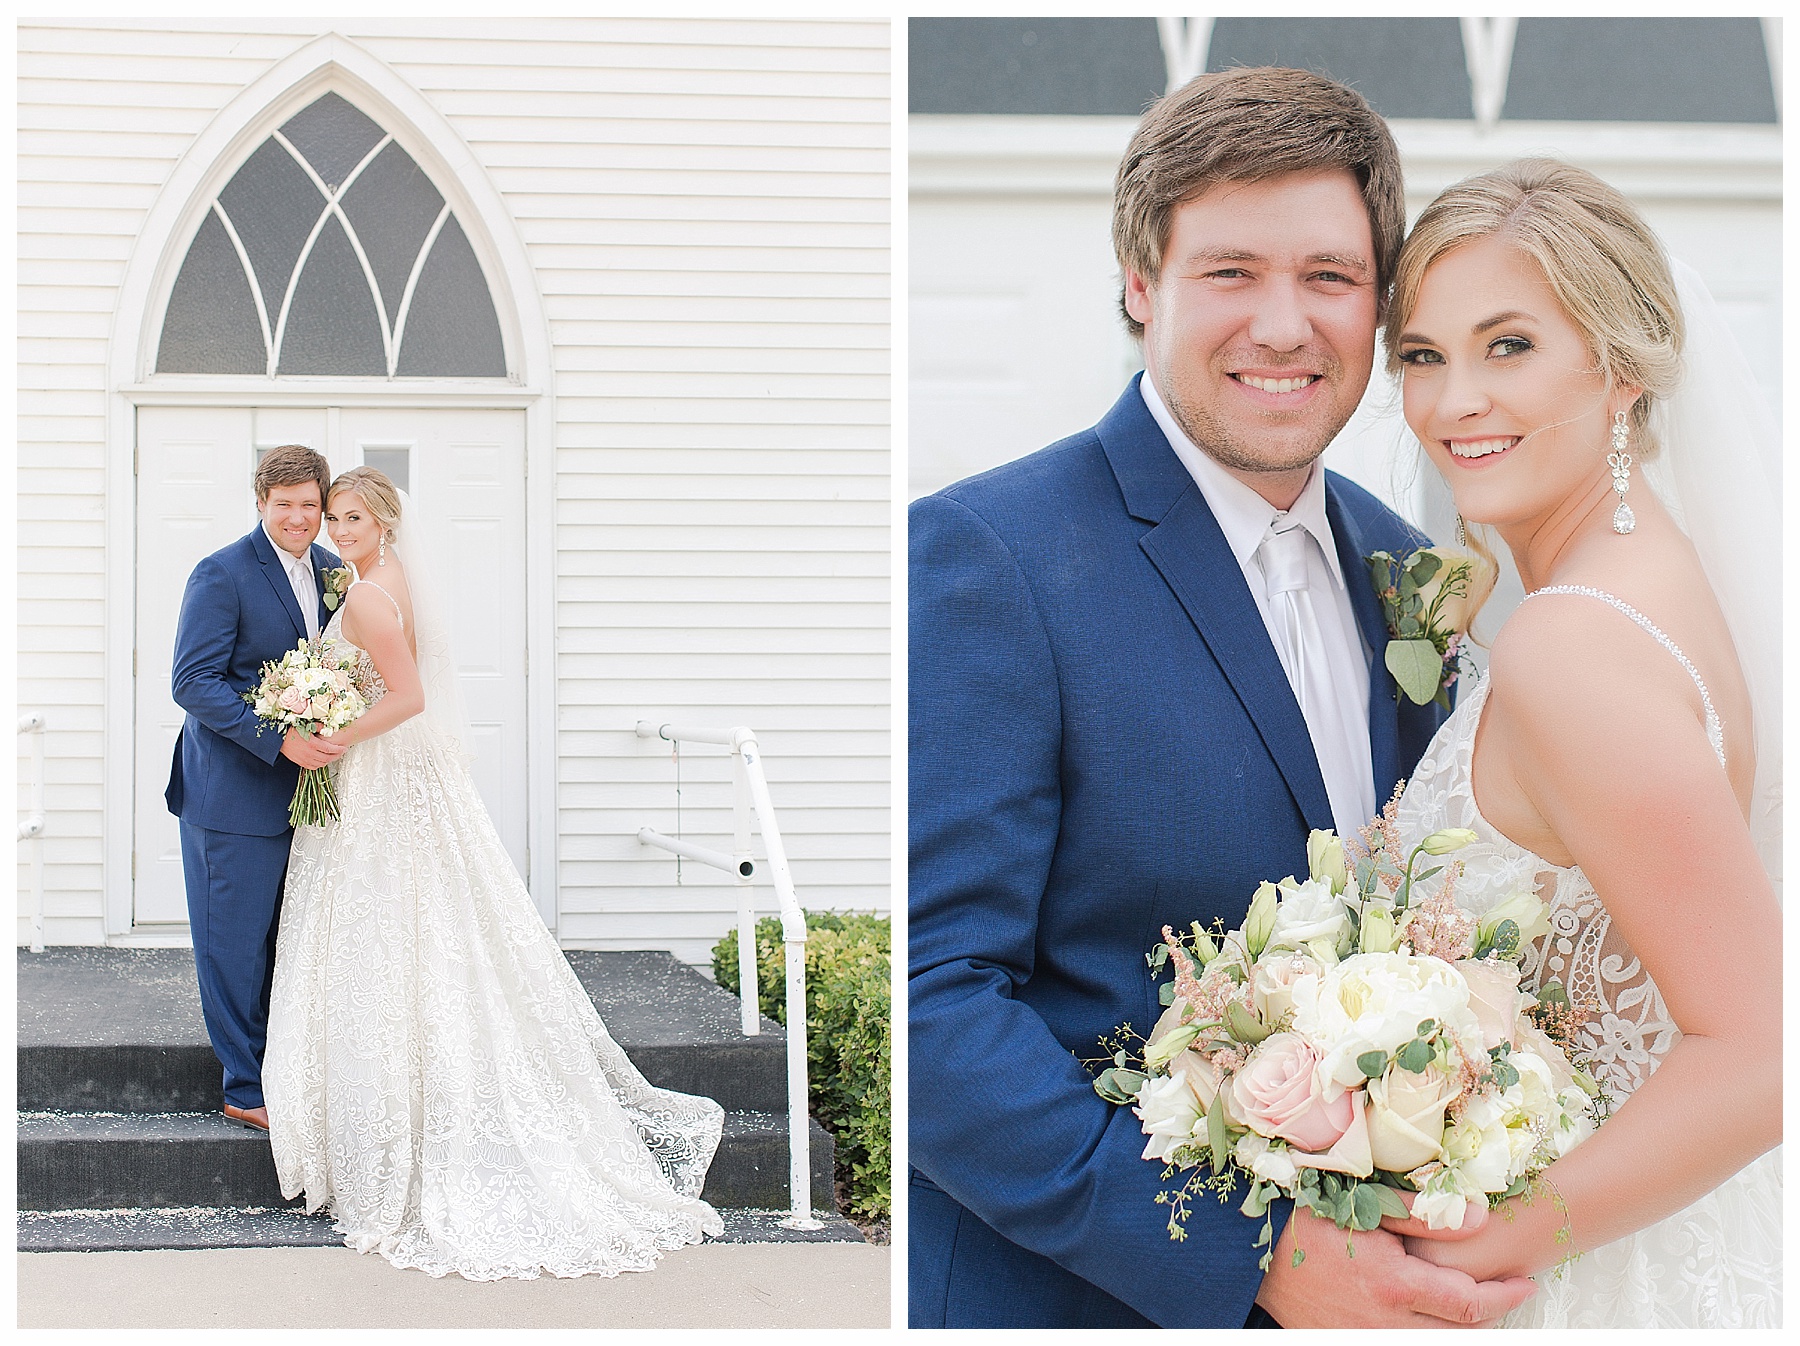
[(465, 471)]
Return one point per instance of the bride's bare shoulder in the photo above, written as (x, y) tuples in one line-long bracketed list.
[(1572, 669)]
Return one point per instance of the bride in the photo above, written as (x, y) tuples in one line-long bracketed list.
[(1627, 730), (435, 1073)]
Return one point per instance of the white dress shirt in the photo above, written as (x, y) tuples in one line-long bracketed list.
[(1341, 743), (304, 583)]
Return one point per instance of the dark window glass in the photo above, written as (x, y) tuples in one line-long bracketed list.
[(1404, 67), (211, 326), (1658, 70), (332, 326), (392, 207), (1067, 67), (333, 136), (273, 206), (451, 327)]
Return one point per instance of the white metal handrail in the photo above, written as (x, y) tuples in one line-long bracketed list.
[(750, 799), (31, 826)]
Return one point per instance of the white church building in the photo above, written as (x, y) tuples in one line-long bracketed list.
[(609, 297)]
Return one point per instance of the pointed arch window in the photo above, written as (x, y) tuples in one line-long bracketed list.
[(330, 252)]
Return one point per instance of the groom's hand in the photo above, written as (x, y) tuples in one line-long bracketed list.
[(309, 752), (1381, 1286)]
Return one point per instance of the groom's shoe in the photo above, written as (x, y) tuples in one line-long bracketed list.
[(257, 1119)]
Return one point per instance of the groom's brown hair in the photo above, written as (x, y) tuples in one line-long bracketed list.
[(290, 465), (1249, 125)]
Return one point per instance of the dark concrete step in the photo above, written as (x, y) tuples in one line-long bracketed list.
[(97, 1231), (115, 1161), (120, 1030)]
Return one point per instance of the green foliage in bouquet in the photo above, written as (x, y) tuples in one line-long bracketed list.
[(849, 1035)]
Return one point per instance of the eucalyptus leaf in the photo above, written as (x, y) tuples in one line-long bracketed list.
[(1391, 1204), (1216, 1135), (1552, 993), (1365, 1210), (1372, 1064), (1244, 1026), (1424, 566), (1425, 1026), (1417, 667), (1165, 994), (1299, 1255), (1414, 1056), (1119, 1086)]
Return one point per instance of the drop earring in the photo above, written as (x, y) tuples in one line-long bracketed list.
[(1623, 520), (381, 549), (1462, 534)]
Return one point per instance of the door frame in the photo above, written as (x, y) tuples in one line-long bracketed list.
[(331, 62)]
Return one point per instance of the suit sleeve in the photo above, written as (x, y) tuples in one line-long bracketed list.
[(205, 637), (1002, 1115)]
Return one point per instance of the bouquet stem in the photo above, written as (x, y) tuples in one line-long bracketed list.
[(315, 800)]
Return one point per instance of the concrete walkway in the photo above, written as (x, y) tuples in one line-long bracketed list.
[(719, 1285)]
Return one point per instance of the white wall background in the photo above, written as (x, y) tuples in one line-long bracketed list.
[(705, 203)]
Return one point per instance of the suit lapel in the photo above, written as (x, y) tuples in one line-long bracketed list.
[(322, 561), (277, 577), (1189, 550), (1384, 709)]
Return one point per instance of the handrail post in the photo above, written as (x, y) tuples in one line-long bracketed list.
[(750, 801), (31, 826), (749, 983)]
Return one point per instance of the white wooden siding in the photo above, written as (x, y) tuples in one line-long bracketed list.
[(706, 206)]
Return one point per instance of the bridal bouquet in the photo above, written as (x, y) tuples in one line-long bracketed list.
[(1359, 1036), (309, 689)]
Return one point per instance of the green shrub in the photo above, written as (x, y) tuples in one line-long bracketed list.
[(849, 1035)]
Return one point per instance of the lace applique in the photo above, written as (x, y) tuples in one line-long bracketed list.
[(1716, 1263), (435, 1073)]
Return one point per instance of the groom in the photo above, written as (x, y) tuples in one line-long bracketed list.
[(232, 779), (1144, 663)]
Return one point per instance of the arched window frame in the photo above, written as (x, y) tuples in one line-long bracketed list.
[(329, 63)]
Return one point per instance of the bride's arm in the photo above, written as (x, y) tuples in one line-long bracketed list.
[(370, 622), (1609, 749)]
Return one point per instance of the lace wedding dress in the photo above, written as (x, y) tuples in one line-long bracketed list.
[(435, 1073), (1715, 1264)]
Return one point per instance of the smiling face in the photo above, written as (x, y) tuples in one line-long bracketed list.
[(354, 530), (1501, 388), (291, 514), (1260, 332)]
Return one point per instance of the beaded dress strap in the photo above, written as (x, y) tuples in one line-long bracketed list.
[(402, 618), (1715, 732)]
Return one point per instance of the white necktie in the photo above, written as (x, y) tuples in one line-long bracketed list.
[(300, 578), (1282, 556)]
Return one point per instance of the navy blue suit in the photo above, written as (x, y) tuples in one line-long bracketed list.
[(1102, 741), (230, 786)]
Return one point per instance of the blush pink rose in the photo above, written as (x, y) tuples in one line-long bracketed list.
[(295, 701), (1279, 1093)]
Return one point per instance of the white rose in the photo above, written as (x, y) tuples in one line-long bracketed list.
[(1272, 983), (1406, 1117), (1478, 1147), (1170, 1113), (1440, 1208), (1495, 997), (1376, 1002), (1266, 1161), (1308, 911), (1534, 1040)]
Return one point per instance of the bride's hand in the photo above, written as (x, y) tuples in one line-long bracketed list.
[(1517, 1239)]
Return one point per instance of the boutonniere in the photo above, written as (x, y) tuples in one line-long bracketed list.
[(1428, 598), (336, 583)]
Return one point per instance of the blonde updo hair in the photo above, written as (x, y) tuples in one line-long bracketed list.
[(376, 492), (1605, 266)]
